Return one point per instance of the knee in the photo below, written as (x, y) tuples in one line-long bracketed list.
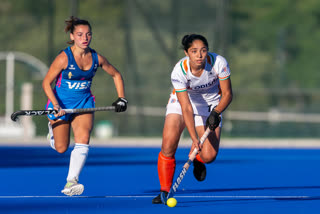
[(208, 158), (61, 149), (170, 144), (84, 138), (168, 150)]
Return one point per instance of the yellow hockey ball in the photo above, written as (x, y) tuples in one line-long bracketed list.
[(172, 202)]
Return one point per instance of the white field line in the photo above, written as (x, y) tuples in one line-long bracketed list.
[(183, 196)]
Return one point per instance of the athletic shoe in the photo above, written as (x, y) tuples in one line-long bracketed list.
[(160, 198), (199, 170), (50, 136), (73, 188)]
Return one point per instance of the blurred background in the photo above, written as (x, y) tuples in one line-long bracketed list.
[(271, 47)]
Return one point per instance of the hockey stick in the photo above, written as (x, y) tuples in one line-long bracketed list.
[(185, 168), (15, 115)]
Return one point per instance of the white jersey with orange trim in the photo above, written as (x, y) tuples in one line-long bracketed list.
[(204, 91)]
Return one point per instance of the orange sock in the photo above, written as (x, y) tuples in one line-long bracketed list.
[(199, 158), (166, 168)]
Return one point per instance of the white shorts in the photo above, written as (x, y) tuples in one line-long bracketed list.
[(173, 107)]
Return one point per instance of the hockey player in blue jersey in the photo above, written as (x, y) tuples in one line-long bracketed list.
[(73, 70)]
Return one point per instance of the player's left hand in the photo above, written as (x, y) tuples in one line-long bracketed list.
[(213, 120), (120, 104)]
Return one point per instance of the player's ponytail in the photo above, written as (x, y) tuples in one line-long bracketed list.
[(72, 22)]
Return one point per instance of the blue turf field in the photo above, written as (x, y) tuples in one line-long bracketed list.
[(124, 180)]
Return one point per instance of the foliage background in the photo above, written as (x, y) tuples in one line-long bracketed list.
[(271, 47)]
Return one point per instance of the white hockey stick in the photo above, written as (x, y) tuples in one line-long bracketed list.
[(185, 168)]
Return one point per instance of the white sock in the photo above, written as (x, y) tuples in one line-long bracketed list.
[(78, 158), (52, 143), (50, 136)]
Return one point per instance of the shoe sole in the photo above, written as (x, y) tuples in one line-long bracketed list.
[(75, 190)]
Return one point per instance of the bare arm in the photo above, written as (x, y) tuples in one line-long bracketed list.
[(60, 63), (187, 113), (226, 96), (114, 73)]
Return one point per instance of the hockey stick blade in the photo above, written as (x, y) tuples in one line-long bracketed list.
[(15, 115)]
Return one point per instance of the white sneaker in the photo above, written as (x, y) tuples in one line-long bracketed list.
[(73, 188), (50, 136)]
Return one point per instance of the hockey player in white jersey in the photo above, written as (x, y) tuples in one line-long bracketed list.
[(202, 91)]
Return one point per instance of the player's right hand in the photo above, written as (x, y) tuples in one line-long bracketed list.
[(195, 144), (58, 108)]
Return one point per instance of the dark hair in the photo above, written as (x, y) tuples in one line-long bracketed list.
[(72, 22), (188, 39)]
